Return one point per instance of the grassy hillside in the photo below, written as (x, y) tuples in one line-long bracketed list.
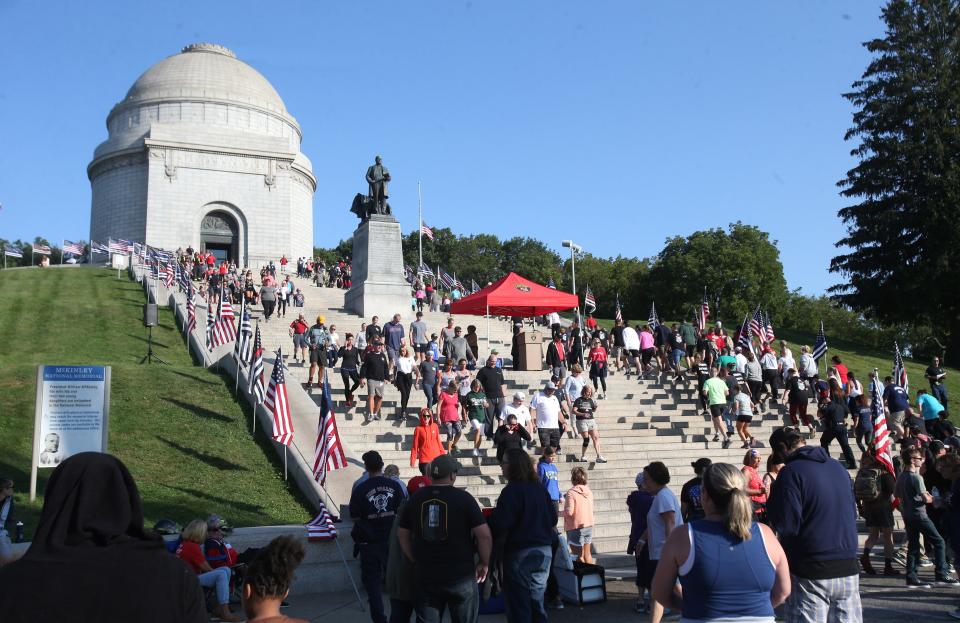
[(858, 358), (177, 427)]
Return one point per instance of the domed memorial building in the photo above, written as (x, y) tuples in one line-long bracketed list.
[(202, 152)]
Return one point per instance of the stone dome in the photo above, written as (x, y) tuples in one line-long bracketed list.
[(206, 71)]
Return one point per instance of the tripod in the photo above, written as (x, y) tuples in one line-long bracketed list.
[(150, 357)]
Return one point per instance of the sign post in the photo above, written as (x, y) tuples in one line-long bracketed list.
[(72, 415)]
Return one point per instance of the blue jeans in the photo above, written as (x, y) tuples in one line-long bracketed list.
[(460, 597), (219, 578), (525, 580), (916, 527), (939, 392), (373, 568)]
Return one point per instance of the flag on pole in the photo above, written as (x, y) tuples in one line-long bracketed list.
[(97, 247), (276, 403), (756, 326), (446, 278), (424, 269), (223, 329), (745, 340), (551, 284), (74, 248), (618, 312), (426, 231), (244, 344), (321, 527), (211, 328), (169, 279), (768, 327), (653, 320), (899, 371), (881, 436), (704, 311), (820, 346), (589, 301), (41, 249), (12, 251), (474, 287), (255, 380), (328, 452), (120, 246), (191, 311)]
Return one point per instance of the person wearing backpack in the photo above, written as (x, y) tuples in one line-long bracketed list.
[(873, 488)]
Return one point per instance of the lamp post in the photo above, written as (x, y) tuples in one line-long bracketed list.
[(574, 249)]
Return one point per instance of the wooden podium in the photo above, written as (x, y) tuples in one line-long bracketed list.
[(530, 351)]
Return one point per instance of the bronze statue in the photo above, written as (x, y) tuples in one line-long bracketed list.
[(375, 201)]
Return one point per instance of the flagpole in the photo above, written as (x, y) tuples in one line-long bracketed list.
[(62, 244), (285, 448), (236, 385), (356, 591), (420, 230)]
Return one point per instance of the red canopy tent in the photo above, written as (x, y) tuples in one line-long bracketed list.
[(515, 296)]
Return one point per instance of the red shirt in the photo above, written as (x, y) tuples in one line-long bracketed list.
[(299, 326), (842, 373), (190, 553), (598, 355), (449, 404), (591, 323), (211, 260), (720, 341)]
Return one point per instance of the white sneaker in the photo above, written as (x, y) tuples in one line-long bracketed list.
[(476, 452)]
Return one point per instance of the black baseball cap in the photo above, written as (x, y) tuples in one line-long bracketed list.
[(443, 466), (701, 464), (372, 461), (787, 436)]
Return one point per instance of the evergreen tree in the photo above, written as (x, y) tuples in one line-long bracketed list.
[(903, 236)]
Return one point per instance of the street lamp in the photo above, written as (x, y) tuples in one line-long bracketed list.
[(574, 249)]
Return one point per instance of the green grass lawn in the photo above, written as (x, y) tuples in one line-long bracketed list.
[(178, 428), (858, 358)]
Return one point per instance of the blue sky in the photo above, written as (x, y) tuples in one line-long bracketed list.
[(617, 124)]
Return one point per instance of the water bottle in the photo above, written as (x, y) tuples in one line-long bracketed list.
[(19, 533)]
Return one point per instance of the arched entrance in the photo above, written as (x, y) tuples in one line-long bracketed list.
[(219, 235)]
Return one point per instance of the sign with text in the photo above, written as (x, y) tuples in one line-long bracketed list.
[(72, 414)]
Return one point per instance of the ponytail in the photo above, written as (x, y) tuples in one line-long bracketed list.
[(727, 489)]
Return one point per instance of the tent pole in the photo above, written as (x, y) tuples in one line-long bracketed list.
[(488, 330)]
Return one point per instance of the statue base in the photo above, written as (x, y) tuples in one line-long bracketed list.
[(379, 286)]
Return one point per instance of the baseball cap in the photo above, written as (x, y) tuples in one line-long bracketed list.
[(372, 461), (786, 435), (936, 446), (443, 466), (551, 385), (416, 484), (639, 480), (519, 395), (701, 464)]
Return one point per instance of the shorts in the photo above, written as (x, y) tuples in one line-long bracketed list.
[(717, 410), (617, 352), (877, 516), (453, 428), (744, 418), (586, 425), (691, 350), (633, 354), (580, 537), (648, 354), (374, 388), (299, 341), (318, 355), (896, 418), (421, 348), (477, 425), (676, 355)]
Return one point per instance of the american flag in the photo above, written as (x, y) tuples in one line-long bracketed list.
[(12, 251), (588, 300), (745, 341), (446, 278), (120, 246), (276, 403), (551, 284), (321, 527), (474, 286), (328, 453), (42, 249), (169, 280), (426, 231), (756, 326), (769, 328), (820, 346), (899, 371), (255, 380), (457, 283), (881, 437), (704, 310), (74, 248), (424, 269), (244, 337), (191, 311), (226, 307), (618, 312), (653, 320)]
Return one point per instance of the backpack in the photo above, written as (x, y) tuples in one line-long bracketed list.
[(866, 486)]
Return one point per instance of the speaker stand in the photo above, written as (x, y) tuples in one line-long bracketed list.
[(150, 357)]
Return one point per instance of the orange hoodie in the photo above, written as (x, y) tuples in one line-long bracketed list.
[(426, 442)]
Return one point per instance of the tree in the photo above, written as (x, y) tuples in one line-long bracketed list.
[(739, 268), (903, 236)]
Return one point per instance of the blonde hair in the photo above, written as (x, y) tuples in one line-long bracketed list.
[(727, 488), (195, 531)]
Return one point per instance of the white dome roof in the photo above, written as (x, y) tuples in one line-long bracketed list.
[(208, 71)]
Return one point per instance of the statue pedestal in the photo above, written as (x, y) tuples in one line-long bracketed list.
[(379, 287)]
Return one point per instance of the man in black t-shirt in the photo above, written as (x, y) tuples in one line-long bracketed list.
[(349, 356), (617, 343), (691, 507), (703, 373), (491, 378), (373, 507), (437, 531), (374, 373), (374, 330), (936, 375)]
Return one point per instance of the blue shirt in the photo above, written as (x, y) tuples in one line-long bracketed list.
[(930, 407), (550, 478), (393, 334), (896, 398)]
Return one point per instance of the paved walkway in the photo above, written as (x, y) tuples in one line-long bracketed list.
[(884, 600)]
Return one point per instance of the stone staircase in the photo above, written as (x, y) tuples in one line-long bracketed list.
[(640, 420)]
